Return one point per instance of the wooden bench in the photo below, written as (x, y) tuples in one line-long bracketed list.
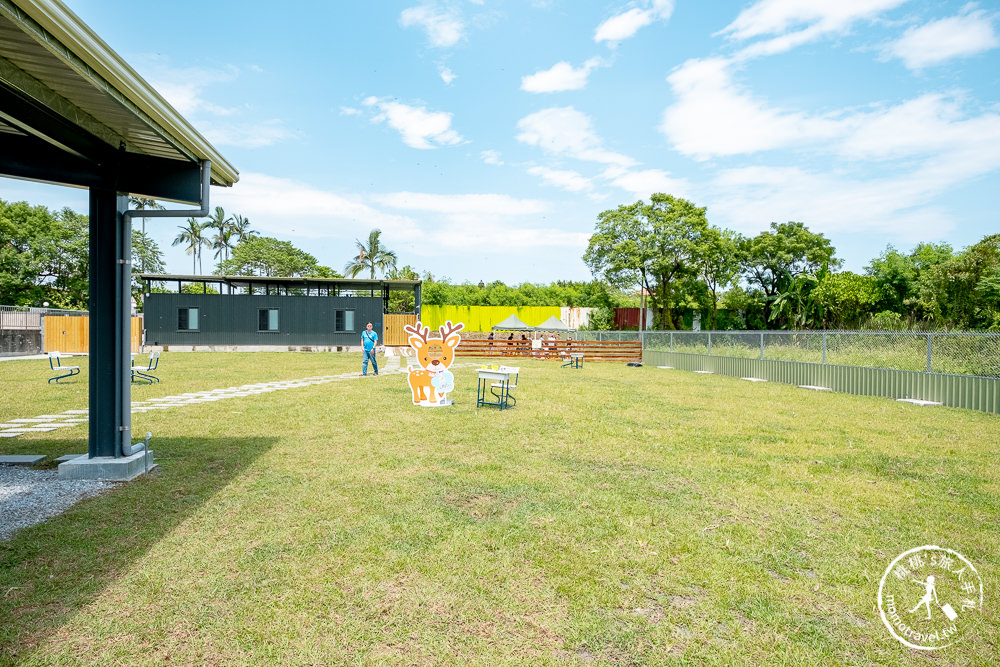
[(55, 363)]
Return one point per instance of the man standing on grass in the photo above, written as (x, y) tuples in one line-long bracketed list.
[(368, 340)]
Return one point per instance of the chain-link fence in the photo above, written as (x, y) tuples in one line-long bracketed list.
[(940, 352)]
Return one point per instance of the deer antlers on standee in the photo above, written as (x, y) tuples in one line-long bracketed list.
[(416, 331), (448, 329)]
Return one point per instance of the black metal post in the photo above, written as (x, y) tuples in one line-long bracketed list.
[(110, 333)]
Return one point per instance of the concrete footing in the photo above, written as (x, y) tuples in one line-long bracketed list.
[(107, 468)]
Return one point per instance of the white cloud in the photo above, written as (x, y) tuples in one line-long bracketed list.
[(246, 135), (463, 205), (625, 24), (444, 28), (642, 183), (969, 33), (559, 77), (748, 199), (483, 223), (491, 157), (281, 206), (184, 87), (349, 111), (714, 116), (419, 127), (447, 75), (796, 22), (562, 178), (566, 131)]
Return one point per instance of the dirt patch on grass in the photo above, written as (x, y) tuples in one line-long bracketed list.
[(482, 506)]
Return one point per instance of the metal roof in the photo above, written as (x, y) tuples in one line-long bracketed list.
[(50, 57), (356, 284)]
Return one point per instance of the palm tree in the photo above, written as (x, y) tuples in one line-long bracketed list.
[(241, 228), (142, 204), (222, 240), (195, 240), (372, 256)]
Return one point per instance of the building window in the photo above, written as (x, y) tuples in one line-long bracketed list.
[(344, 320), (267, 319), (187, 319)]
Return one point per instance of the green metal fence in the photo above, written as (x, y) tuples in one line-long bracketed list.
[(955, 369)]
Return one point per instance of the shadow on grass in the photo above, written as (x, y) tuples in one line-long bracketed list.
[(51, 570)]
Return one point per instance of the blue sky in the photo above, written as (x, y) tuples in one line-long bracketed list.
[(484, 136)]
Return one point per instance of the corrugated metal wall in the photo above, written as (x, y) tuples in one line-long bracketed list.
[(960, 391), (232, 319)]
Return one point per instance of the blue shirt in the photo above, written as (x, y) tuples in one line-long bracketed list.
[(368, 339)]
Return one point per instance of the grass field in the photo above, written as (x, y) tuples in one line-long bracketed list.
[(615, 516)]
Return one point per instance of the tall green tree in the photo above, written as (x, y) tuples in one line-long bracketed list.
[(222, 238), (372, 256), (651, 246), (773, 259), (241, 229), (193, 237), (144, 204), (719, 263), (267, 256), (44, 256)]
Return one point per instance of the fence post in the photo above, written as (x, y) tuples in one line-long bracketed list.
[(709, 343), (929, 346), (824, 347), (762, 346), (671, 341)]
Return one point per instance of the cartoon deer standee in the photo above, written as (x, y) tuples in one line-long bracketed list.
[(434, 356)]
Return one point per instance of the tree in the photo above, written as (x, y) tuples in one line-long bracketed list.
[(371, 256), (402, 301), (44, 256), (143, 204), (267, 256), (241, 228), (221, 241), (849, 300), (720, 263), (773, 259), (651, 246), (146, 258), (193, 236)]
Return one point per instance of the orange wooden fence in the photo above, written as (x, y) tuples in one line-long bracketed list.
[(393, 324), (72, 334)]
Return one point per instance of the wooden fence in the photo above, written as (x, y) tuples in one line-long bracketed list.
[(393, 325), (551, 350), (72, 334)]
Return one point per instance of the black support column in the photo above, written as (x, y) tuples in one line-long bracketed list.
[(110, 326)]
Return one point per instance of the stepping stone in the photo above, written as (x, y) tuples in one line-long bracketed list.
[(666, 368), (21, 459), (917, 401), (76, 412), (814, 387), (10, 434), (50, 417), (69, 457), (40, 429), (78, 420), (32, 420), (706, 372), (754, 379)]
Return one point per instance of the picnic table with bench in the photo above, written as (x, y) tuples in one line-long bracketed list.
[(55, 363), (495, 385)]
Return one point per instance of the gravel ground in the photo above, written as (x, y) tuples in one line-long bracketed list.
[(31, 496)]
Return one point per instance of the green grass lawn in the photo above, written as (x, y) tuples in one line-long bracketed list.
[(615, 516)]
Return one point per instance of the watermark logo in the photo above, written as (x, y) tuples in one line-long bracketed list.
[(930, 597)]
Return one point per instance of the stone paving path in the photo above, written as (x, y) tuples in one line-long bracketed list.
[(12, 428)]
